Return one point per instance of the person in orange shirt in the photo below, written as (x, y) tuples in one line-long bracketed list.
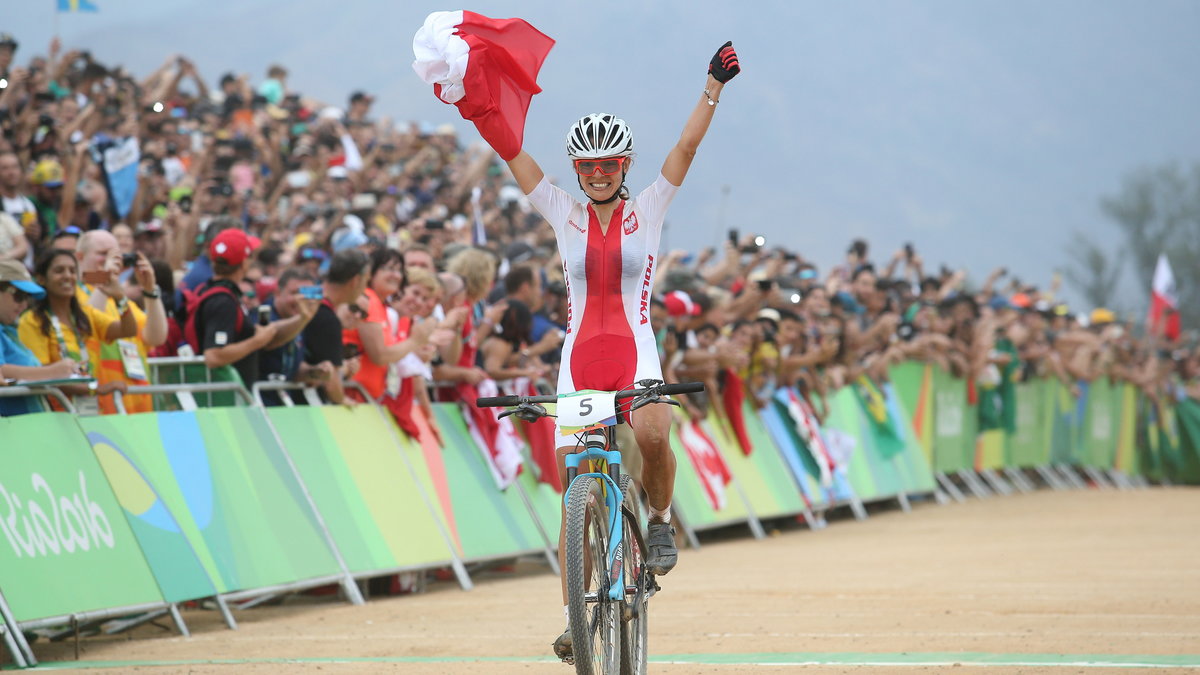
[(380, 346)]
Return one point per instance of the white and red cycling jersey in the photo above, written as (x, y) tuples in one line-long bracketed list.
[(610, 279)]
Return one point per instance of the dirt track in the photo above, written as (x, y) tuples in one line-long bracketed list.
[(1092, 573)]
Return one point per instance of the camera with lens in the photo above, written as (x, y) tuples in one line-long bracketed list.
[(221, 190), (128, 259)]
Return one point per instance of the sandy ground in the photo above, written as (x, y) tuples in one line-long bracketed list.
[(1096, 573)]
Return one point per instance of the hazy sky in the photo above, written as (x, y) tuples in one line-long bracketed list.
[(984, 132)]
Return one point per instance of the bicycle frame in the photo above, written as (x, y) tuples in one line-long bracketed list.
[(612, 499)]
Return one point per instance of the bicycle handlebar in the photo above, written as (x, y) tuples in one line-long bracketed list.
[(662, 389)]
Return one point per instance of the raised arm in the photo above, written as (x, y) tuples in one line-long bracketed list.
[(723, 67), (526, 171)]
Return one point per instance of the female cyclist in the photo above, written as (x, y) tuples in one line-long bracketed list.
[(609, 248)]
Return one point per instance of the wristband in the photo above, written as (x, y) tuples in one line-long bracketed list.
[(711, 100), (153, 295), (122, 305)]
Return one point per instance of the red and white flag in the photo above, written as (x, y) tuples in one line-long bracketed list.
[(710, 466), (496, 438), (486, 67), (1164, 302)]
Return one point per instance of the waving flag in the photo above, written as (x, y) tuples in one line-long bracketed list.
[(495, 437), (486, 67), (733, 395), (710, 466), (77, 6), (805, 422), (118, 159), (1164, 302)]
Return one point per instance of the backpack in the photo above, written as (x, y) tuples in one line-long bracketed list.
[(192, 301)]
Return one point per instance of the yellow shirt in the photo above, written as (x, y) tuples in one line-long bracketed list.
[(45, 347), (111, 366)]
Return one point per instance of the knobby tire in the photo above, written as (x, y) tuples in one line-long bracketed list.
[(635, 619), (595, 628)]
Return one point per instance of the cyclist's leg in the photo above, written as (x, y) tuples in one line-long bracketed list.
[(652, 428), (631, 456)]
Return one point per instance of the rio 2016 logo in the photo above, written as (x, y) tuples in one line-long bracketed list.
[(53, 525)]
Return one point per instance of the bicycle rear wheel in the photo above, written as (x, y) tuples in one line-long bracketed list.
[(596, 625), (635, 609)]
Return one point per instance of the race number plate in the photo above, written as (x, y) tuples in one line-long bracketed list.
[(587, 409)]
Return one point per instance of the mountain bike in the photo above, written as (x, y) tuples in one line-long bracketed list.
[(608, 584)]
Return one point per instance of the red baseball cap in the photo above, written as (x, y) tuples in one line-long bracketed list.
[(232, 246), (681, 304)]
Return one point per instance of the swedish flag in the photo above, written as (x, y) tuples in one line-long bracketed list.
[(77, 6)]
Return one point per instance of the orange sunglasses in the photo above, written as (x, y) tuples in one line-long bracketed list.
[(607, 166)]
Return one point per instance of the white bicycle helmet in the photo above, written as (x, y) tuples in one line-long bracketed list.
[(599, 135)]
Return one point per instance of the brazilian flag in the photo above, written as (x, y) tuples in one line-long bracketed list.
[(889, 440)]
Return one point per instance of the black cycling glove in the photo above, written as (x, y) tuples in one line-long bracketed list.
[(724, 64)]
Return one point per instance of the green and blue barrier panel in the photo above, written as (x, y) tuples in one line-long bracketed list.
[(119, 516)]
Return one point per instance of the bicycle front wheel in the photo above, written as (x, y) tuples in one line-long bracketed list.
[(595, 619), (635, 610)]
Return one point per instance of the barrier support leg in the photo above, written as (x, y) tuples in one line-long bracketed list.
[(121, 625), (1098, 478), (973, 483), (17, 657), (679, 519), (996, 483), (254, 602), (178, 619), (1018, 479), (948, 485), (22, 654), (551, 554), (1120, 480), (857, 508), (227, 615), (1071, 476), (902, 499), (1051, 478), (752, 521)]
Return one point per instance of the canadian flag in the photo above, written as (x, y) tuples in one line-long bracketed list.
[(486, 67), (1164, 302), (710, 466)]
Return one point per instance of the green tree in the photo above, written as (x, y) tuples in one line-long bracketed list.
[(1158, 211), (1093, 272)]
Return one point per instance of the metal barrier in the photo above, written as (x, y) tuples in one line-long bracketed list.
[(311, 396), (184, 393), (189, 370), (53, 392)]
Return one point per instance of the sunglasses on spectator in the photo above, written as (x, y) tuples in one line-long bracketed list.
[(608, 166), (18, 294)]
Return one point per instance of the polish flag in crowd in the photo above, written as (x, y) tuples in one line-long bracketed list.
[(495, 436), (486, 67), (1164, 302)]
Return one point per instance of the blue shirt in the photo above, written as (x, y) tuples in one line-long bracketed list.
[(197, 275), (12, 352)]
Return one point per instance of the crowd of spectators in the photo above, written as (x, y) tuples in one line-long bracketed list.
[(295, 240)]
